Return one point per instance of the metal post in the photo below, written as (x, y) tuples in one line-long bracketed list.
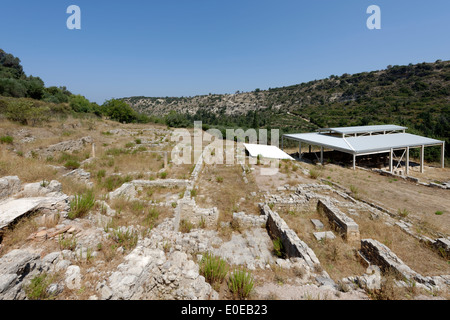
[(422, 156), (93, 150), (407, 161), (282, 143), (391, 161), (321, 155), (354, 162), (300, 150), (442, 155), (309, 148)]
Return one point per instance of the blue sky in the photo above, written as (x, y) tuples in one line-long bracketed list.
[(192, 47)]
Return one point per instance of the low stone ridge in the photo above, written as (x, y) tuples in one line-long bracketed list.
[(66, 146), (380, 255)]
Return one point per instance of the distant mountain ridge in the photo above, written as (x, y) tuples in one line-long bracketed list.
[(396, 85)]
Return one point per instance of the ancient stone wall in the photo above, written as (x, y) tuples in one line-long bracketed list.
[(293, 246), (342, 223)]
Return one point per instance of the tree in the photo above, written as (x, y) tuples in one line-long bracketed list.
[(118, 110), (78, 103)]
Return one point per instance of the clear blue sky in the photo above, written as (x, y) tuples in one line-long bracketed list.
[(192, 47)]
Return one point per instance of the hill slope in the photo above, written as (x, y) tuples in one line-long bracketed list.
[(417, 96)]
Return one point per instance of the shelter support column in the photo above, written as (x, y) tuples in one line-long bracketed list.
[(299, 150), (407, 161), (354, 162), (443, 155), (321, 155), (422, 156), (391, 161)]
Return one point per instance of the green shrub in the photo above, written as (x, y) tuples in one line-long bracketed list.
[(219, 179), (213, 268), (81, 205), (37, 289), (138, 141), (72, 164), (127, 239), (439, 213), (185, 226), (278, 247), (113, 182), (404, 213), (163, 175), (101, 174), (6, 139), (241, 283), (67, 244)]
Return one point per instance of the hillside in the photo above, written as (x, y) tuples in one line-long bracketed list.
[(417, 96)]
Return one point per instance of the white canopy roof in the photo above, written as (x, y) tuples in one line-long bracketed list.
[(364, 144), (271, 152)]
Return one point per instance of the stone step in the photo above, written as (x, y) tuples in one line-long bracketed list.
[(324, 235)]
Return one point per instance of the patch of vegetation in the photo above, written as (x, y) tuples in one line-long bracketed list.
[(125, 238), (72, 164), (186, 226), (278, 247), (213, 268), (314, 174), (38, 287), (6, 140), (81, 205), (241, 283)]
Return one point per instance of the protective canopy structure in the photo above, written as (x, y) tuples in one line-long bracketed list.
[(270, 152), (365, 140)]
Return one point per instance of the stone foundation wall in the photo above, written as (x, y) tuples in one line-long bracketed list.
[(293, 246), (380, 255), (343, 224)]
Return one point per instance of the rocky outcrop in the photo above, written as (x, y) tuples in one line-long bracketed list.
[(9, 186), (150, 274), (16, 267), (46, 197)]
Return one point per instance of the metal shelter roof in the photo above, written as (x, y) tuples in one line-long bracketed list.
[(364, 129), (364, 144)]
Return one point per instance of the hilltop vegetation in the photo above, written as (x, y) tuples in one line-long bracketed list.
[(26, 100), (416, 96)]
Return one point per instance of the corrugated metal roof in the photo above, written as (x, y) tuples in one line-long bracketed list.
[(364, 129), (364, 144)]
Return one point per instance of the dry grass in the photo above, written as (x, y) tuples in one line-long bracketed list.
[(27, 169), (226, 195)]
